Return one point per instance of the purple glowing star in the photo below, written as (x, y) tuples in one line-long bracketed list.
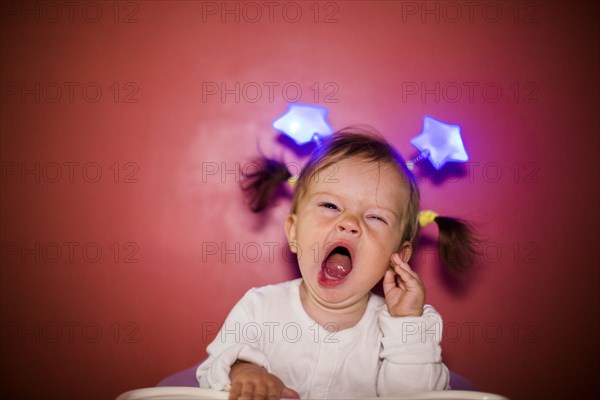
[(304, 123), (440, 143)]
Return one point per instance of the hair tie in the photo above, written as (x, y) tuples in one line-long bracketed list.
[(292, 181), (426, 217)]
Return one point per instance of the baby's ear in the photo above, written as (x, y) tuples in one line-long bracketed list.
[(290, 231), (405, 251)]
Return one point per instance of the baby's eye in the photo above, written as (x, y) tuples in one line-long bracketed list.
[(378, 218), (331, 206)]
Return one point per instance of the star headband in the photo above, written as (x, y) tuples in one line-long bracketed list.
[(438, 142)]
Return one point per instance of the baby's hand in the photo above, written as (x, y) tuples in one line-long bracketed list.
[(249, 381), (406, 297)]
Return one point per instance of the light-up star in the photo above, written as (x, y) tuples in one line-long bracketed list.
[(304, 123), (440, 143)]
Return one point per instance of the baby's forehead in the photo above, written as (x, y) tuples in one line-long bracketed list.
[(385, 180), (356, 167)]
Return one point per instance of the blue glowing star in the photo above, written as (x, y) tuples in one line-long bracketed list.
[(304, 123), (440, 143)]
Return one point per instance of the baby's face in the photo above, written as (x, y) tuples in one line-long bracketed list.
[(347, 226)]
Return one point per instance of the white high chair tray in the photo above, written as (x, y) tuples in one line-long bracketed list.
[(170, 392), (191, 393)]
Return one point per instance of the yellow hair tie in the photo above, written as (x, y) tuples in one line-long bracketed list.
[(292, 180), (426, 217)]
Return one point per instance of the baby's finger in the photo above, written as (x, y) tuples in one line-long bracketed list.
[(247, 392), (236, 391), (260, 391), (274, 389), (408, 269), (395, 260), (408, 277), (389, 281), (289, 393)]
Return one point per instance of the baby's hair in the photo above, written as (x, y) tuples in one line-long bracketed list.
[(261, 185), (456, 237)]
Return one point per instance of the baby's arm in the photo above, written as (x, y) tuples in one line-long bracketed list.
[(249, 381), (411, 352), (236, 361)]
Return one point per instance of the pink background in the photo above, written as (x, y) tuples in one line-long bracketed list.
[(77, 324)]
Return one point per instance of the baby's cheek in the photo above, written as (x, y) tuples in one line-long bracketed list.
[(397, 244), (389, 243)]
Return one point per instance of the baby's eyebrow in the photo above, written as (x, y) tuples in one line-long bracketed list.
[(390, 211), (321, 193), (315, 194)]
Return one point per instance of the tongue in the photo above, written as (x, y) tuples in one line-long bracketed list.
[(338, 265)]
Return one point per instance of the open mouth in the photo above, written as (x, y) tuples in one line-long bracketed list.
[(336, 266)]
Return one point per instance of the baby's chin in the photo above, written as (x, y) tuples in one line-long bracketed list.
[(327, 298)]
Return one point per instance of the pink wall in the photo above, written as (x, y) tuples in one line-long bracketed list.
[(75, 325)]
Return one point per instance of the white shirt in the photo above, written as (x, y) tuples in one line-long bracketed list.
[(380, 356)]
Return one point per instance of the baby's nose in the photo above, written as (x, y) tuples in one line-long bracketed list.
[(348, 225)]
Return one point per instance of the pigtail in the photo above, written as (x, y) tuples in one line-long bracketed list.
[(456, 243), (260, 185)]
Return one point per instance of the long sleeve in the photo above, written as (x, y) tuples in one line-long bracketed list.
[(236, 340), (411, 356)]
